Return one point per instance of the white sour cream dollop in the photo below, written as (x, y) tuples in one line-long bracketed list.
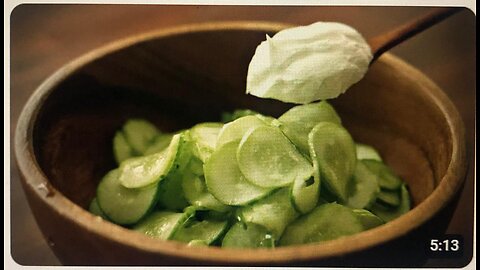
[(308, 63)]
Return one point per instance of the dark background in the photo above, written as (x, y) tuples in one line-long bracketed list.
[(45, 37)]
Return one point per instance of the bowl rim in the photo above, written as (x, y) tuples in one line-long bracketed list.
[(34, 178)]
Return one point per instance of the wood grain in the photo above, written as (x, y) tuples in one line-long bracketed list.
[(44, 37)]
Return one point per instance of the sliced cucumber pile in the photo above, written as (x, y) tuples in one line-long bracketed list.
[(253, 181)]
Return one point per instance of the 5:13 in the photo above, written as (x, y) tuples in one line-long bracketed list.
[(444, 245)]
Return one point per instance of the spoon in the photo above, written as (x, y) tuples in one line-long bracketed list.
[(341, 67), (385, 41)]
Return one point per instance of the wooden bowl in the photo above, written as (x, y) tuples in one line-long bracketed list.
[(181, 76)]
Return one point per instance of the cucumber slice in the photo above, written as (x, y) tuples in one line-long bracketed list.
[(94, 208), (144, 171), (390, 198), (197, 243), (171, 196), (231, 116), (225, 181), (234, 131), (367, 152), (326, 195), (121, 149), (248, 235), (268, 120), (387, 214), (268, 159), (299, 121), (205, 137), (334, 150), (322, 201), (368, 219), (207, 214), (274, 212), (326, 222), (196, 166), (364, 187), (387, 178), (311, 114), (124, 205), (162, 224), (196, 193), (139, 134), (304, 193), (160, 143), (207, 231)]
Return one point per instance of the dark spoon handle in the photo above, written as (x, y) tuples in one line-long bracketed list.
[(385, 41)]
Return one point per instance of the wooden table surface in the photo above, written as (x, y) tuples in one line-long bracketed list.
[(45, 37)]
